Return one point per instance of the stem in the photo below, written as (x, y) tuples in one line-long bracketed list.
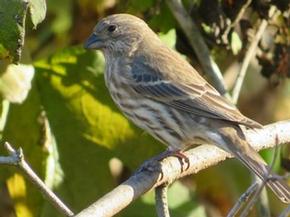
[(17, 158), (161, 201), (198, 44), (248, 56)]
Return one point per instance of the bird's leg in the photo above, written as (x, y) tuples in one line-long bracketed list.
[(182, 157), (151, 164)]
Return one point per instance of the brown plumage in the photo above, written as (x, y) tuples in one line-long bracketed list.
[(163, 94)]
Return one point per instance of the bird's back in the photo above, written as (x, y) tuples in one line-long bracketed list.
[(174, 82)]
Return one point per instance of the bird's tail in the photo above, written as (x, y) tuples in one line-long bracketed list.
[(273, 181), (240, 148)]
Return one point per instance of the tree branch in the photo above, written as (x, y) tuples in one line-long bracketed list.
[(286, 212), (200, 158), (243, 199), (249, 55), (198, 45), (16, 158), (161, 200), (236, 21)]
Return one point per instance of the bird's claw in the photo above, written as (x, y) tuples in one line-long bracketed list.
[(153, 164)]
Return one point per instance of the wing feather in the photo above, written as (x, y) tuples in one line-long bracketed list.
[(180, 86)]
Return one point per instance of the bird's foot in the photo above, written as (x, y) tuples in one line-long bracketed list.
[(153, 163), (184, 160)]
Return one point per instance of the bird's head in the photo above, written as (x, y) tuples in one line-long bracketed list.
[(118, 33)]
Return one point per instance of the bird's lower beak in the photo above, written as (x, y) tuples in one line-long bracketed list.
[(93, 42)]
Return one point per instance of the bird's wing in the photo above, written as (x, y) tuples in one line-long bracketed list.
[(180, 86)]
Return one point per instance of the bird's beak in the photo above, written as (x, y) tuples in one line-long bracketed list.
[(93, 42)]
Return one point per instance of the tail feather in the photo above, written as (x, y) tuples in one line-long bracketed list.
[(276, 184), (232, 139), (281, 189)]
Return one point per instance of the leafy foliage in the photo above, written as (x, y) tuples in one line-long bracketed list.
[(12, 22), (37, 11), (82, 124)]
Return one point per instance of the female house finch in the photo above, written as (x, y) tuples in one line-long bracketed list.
[(164, 95)]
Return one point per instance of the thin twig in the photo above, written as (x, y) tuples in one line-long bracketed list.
[(261, 193), (263, 205), (235, 22), (242, 200), (16, 158), (4, 115), (264, 200), (250, 204), (197, 43), (286, 212), (236, 92), (248, 56), (199, 158), (161, 201)]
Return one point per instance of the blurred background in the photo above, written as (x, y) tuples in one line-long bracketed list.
[(54, 103)]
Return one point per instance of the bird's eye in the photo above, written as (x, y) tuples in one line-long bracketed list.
[(111, 28)]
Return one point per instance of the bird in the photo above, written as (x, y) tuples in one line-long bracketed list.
[(159, 91)]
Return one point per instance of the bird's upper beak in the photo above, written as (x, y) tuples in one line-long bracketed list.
[(93, 42)]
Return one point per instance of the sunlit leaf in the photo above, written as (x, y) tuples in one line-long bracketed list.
[(169, 38), (236, 43), (139, 6), (62, 10), (163, 20), (83, 132), (88, 129), (37, 11), (15, 82), (4, 53), (12, 22), (24, 129)]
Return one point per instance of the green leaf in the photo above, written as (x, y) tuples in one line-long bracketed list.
[(3, 53), (163, 21), (88, 128), (37, 11), (12, 22), (169, 38), (139, 6), (84, 131), (23, 129), (236, 43), (63, 15)]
